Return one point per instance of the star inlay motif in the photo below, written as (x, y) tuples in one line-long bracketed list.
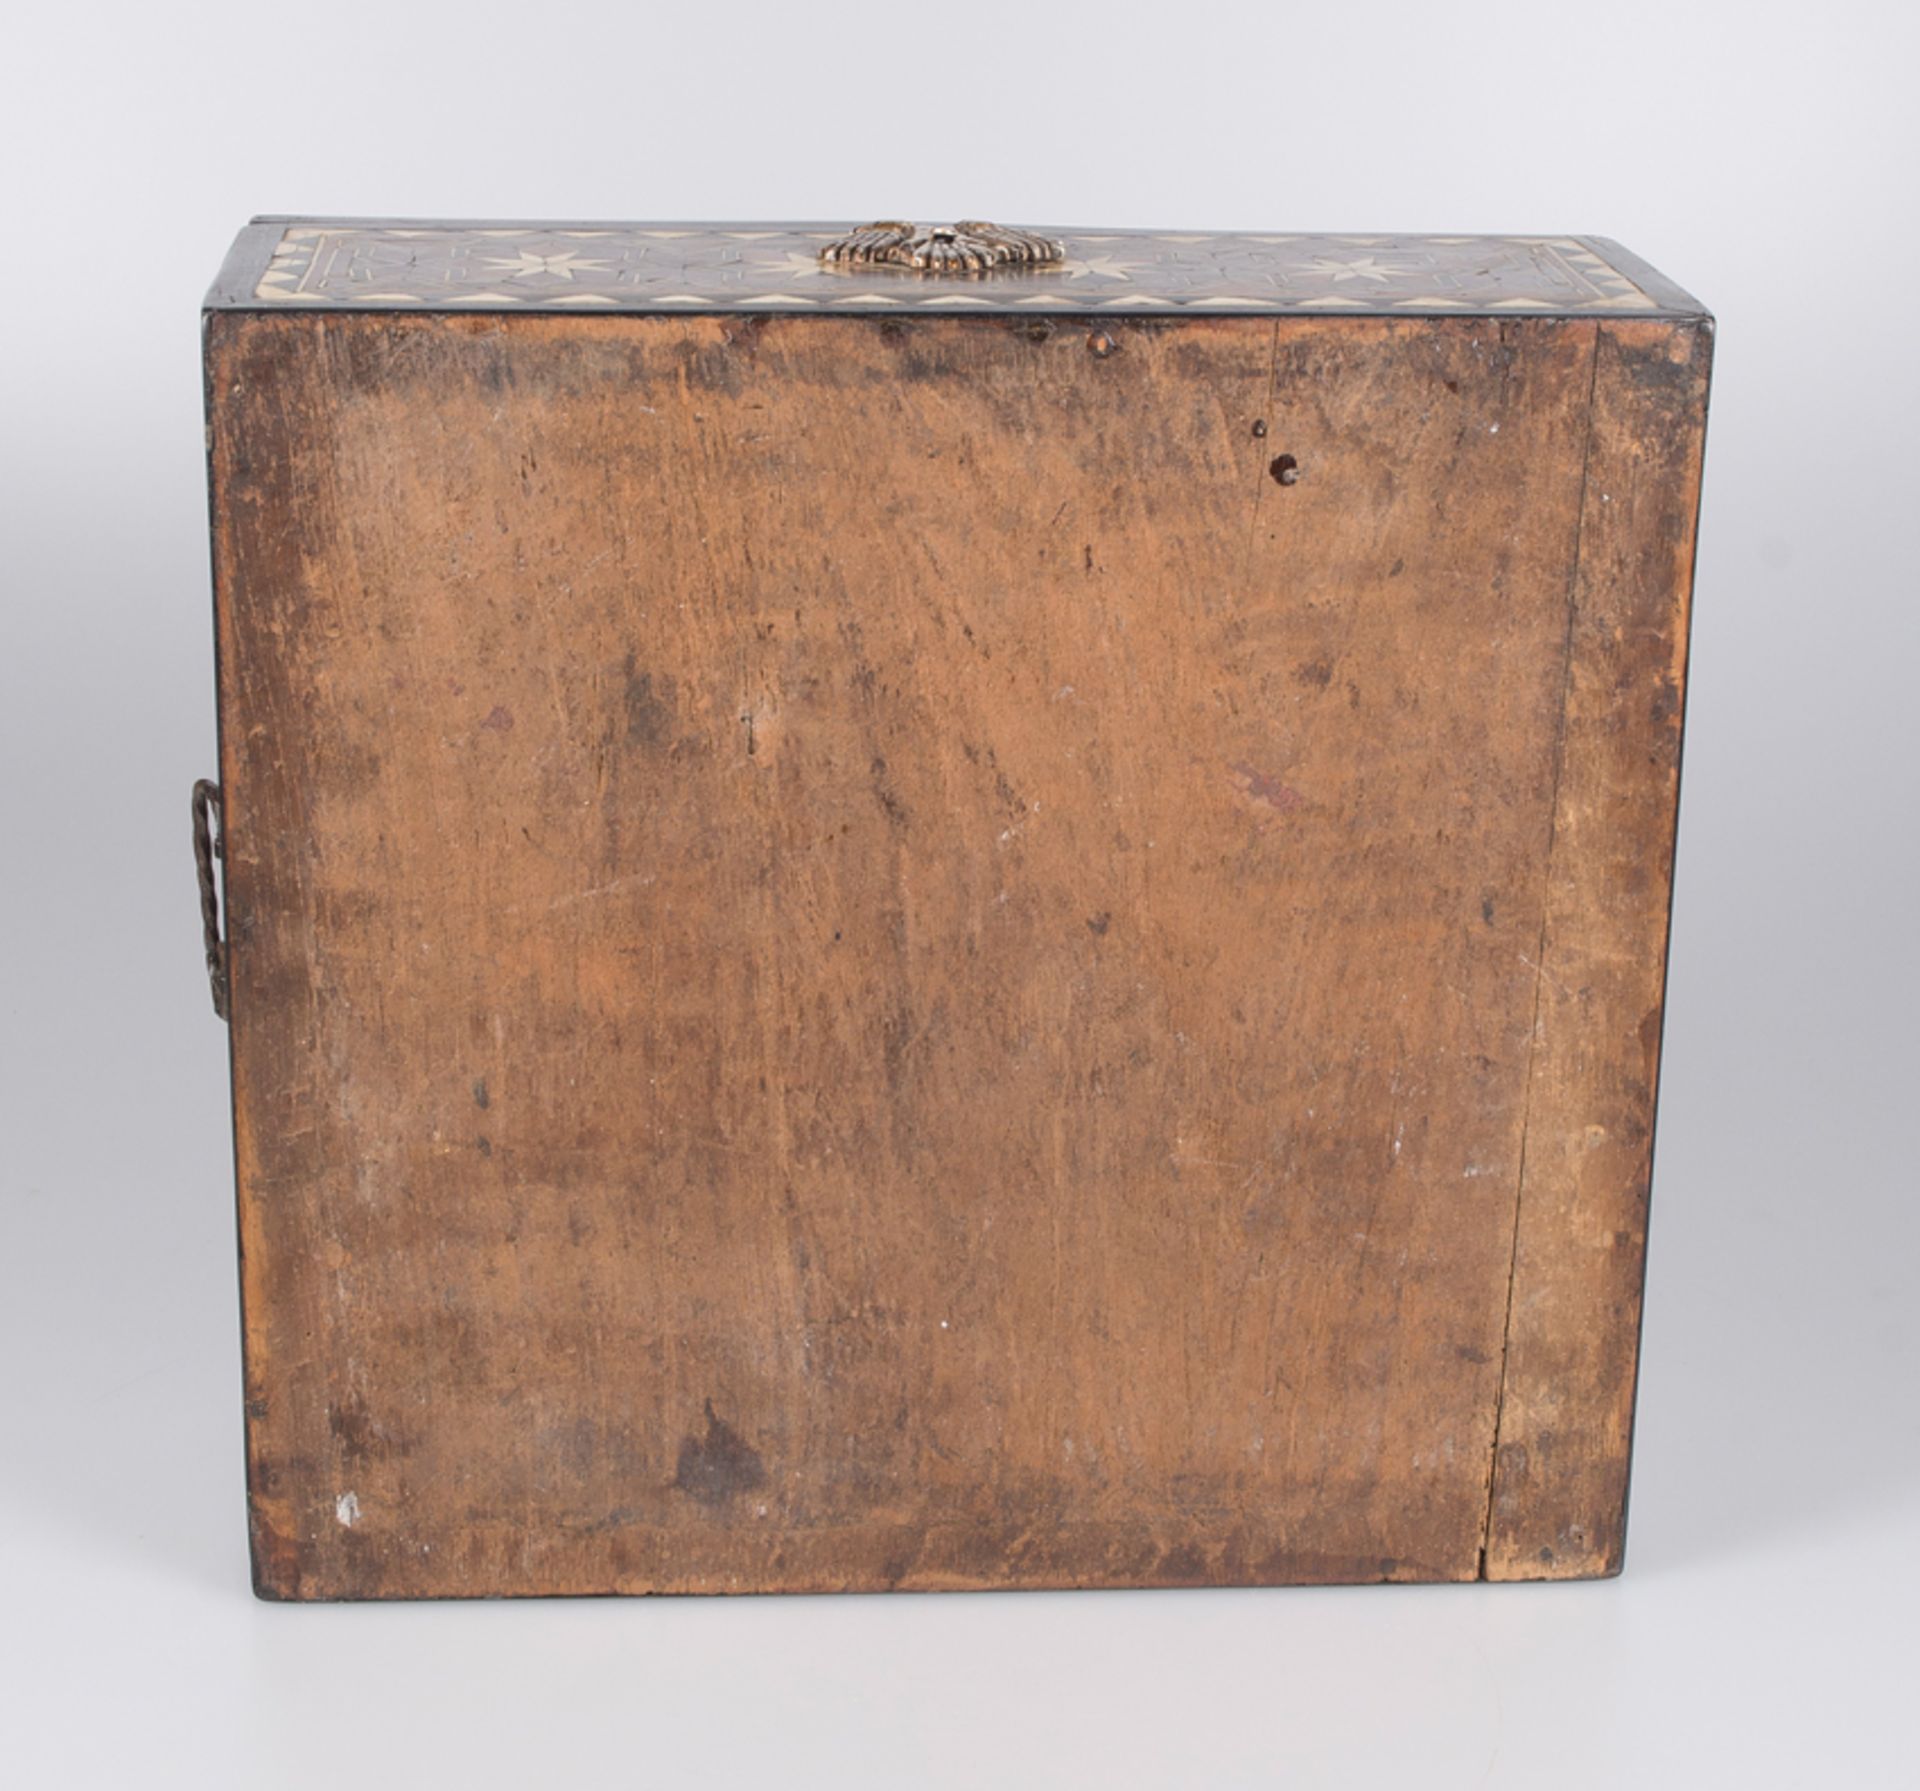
[(670, 267), (526, 265), (1366, 268), (1100, 267), (792, 266)]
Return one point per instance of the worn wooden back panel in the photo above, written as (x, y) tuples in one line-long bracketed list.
[(865, 955)]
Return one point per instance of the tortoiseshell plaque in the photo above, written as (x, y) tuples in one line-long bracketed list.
[(283, 262)]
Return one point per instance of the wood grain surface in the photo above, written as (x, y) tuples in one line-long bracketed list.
[(963, 953), (1560, 1484)]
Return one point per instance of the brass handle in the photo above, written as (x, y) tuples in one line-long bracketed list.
[(969, 247), (209, 843)]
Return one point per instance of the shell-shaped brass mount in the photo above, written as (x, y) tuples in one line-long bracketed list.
[(969, 247)]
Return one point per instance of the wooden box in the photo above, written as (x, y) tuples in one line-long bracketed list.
[(943, 927)]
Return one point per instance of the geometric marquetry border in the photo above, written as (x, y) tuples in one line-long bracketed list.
[(776, 267)]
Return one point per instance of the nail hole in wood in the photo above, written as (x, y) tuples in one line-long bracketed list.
[(1285, 469)]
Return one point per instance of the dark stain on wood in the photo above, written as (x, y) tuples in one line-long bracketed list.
[(718, 1466)]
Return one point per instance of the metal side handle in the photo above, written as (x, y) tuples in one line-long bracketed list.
[(209, 843)]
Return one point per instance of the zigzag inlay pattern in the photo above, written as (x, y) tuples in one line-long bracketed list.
[(778, 268)]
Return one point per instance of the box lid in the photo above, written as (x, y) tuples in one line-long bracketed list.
[(280, 263)]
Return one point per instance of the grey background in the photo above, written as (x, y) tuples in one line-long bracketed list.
[(1762, 154)]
